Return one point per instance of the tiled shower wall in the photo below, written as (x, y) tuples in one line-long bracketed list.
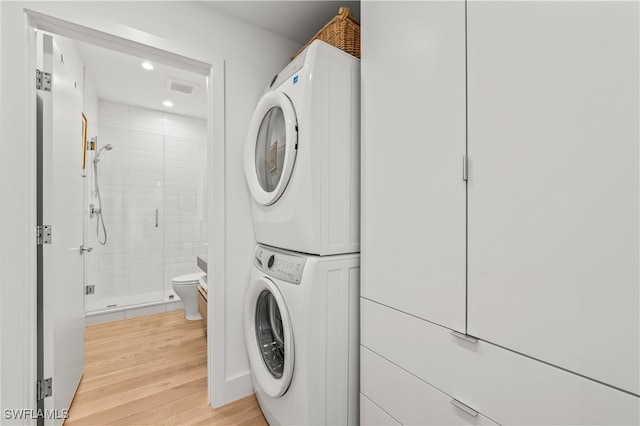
[(158, 163)]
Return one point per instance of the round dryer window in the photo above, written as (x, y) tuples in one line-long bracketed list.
[(269, 337), (270, 149)]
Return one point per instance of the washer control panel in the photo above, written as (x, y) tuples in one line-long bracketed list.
[(283, 266)]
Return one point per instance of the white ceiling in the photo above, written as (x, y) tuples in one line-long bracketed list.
[(119, 77), (296, 20)]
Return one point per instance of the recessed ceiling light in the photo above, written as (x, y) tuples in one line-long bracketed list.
[(147, 66), (167, 103)]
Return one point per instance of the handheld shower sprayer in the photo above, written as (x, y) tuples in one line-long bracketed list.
[(108, 147), (98, 211)]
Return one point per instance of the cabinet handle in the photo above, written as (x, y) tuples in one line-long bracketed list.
[(470, 411), (156, 218), (464, 337), (465, 168)]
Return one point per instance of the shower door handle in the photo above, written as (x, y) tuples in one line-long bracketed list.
[(156, 218)]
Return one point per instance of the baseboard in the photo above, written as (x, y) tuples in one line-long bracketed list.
[(237, 387)]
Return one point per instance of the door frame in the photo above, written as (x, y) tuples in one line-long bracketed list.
[(131, 41)]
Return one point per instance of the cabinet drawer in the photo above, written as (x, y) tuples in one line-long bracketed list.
[(507, 387), (371, 414), (202, 306), (417, 403)]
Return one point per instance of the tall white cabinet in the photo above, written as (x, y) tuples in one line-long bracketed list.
[(511, 297), (554, 186), (413, 143)]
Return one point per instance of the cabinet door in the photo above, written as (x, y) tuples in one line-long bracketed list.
[(553, 192), (372, 414), (413, 141)]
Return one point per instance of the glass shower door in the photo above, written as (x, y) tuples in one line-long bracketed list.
[(128, 269), (144, 218)]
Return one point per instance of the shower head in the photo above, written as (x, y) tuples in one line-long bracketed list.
[(108, 147)]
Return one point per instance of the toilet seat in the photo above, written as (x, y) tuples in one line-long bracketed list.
[(187, 279), (185, 287)]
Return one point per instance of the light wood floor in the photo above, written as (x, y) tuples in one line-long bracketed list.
[(151, 371)]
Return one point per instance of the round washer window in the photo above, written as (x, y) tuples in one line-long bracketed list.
[(270, 333)]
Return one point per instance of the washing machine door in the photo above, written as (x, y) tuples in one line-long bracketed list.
[(270, 149), (269, 337)]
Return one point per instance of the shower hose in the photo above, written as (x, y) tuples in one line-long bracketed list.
[(99, 218)]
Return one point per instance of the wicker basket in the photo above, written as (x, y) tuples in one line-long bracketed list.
[(343, 32)]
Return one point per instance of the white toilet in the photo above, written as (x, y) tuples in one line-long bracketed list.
[(186, 287)]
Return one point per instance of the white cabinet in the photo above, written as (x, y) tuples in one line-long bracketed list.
[(426, 361), (418, 403), (553, 196), (371, 414), (538, 254), (413, 142)]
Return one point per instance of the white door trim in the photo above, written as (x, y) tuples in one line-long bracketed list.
[(93, 30)]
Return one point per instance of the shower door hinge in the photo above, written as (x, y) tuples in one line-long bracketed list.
[(43, 81), (43, 234), (44, 388), (465, 168)]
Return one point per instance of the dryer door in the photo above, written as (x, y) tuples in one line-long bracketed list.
[(270, 149), (269, 337)]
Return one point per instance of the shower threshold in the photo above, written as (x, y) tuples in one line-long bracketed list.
[(126, 309)]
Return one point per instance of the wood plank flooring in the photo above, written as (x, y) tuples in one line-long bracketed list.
[(151, 371)]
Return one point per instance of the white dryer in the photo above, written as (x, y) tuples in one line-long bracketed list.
[(302, 155), (301, 332)]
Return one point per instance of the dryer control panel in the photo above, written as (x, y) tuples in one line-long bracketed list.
[(280, 265), (294, 66)]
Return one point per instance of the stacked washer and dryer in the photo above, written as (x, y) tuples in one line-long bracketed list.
[(302, 166)]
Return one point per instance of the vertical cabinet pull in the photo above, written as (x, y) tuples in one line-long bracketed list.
[(156, 218)]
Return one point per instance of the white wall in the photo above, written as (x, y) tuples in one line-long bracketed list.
[(90, 106), (251, 57), (2, 220)]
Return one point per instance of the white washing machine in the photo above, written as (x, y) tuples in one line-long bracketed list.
[(301, 322), (302, 155)]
